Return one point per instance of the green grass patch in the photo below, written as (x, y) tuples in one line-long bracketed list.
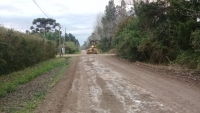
[(10, 82), (29, 106), (39, 97)]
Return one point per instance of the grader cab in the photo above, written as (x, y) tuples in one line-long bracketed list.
[(92, 48)]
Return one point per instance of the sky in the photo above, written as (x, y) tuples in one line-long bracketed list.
[(77, 16)]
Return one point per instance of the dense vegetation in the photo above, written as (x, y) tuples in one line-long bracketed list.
[(163, 31), (70, 47), (71, 43), (18, 50), (48, 28)]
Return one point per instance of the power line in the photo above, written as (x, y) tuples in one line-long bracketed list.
[(40, 8), (43, 9)]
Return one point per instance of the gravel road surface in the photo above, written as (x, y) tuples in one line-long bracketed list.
[(105, 84)]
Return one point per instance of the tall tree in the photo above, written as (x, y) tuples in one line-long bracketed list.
[(109, 24), (121, 12), (71, 37), (66, 37), (42, 25)]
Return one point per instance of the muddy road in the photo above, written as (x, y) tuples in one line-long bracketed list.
[(105, 84)]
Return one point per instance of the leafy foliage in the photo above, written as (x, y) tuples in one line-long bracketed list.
[(46, 29), (71, 43), (70, 47), (18, 50), (161, 32), (195, 38), (107, 25), (43, 25)]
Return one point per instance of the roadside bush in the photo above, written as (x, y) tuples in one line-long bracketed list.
[(70, 47), (189, 59), (196, 40), (18, 50), (127, 39), (198, 66)]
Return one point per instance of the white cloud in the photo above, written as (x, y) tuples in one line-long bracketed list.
[(77, 15)]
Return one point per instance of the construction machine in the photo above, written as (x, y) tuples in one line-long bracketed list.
[(92, 48)]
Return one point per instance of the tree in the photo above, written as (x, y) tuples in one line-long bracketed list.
[(161, 31), (43, 25), (27, 31), (121, 12), (106, 24), (71, 37), (123, 9), (71, 42), (110, 12), (109, 24), (66, 37)]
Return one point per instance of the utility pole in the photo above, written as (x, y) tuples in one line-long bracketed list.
[(64, 42), (69, 38), (59, 46)]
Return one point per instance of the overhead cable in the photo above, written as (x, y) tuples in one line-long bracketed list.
[(40, 8)]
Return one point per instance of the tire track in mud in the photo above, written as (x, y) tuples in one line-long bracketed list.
[(133, 98), (78, 100), (103, 85), (54, 101), (109, 101), (95, 90), (179, 96)]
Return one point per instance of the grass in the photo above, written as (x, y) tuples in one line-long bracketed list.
[(29, 106), (59, 73), (10, 82), (39, 97), (32, 105)]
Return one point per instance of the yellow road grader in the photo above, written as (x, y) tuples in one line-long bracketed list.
[(92, 48)]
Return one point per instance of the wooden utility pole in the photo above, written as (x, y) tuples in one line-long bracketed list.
[(59, 46), (64, 42)]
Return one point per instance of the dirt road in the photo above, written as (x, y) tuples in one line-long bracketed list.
[(104, 84)]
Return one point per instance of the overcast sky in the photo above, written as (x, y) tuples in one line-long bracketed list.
[(78, 16)]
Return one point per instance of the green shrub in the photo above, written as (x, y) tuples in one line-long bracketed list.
[(159, 34), (196, 40), (189, 59), (18, 50), (70, 47)]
